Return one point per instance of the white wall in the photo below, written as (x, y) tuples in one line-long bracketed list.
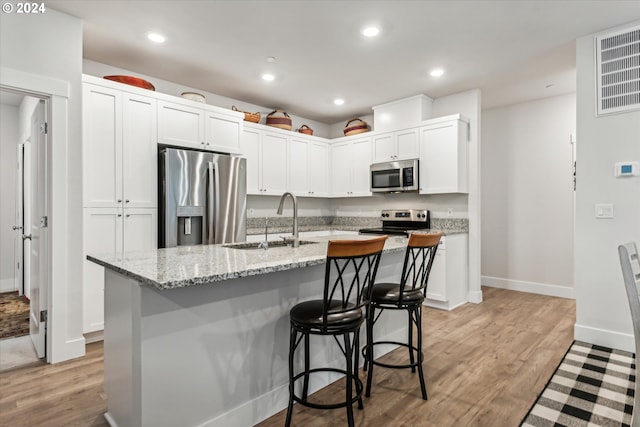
[(9, 134), (45, 52), (527, 197), (602, 313), (100, 70)]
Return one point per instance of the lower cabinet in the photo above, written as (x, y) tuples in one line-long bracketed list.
[(449, 277), (117, 231)]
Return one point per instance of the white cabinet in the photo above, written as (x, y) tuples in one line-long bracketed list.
[(350, 161), (116, 231), (119, 149), (308, 167), (267, 154), (119, 183), (202, 128), (448, 280), (399, 145), (444, 155)]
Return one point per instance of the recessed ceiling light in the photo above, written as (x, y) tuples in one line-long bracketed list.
[(268, 77), (437, 72), (338, 101), (370, 31), (156, 38)]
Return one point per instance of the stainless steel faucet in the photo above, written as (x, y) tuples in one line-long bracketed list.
[(295, 241)]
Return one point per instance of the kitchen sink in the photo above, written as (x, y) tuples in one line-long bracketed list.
[(272, 244)]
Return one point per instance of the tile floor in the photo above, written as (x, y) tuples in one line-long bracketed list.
[(16, 352)]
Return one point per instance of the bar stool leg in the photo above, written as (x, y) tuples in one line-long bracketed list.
[(366, 347), (410, 341), (356, 373), (292, 340), (423, 387), (305, 389), (369, 351), (349, 378)]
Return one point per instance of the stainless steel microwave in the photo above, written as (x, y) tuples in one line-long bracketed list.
[(394, 177)]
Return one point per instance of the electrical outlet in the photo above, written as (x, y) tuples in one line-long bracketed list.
[(251, 212), (450, 212)]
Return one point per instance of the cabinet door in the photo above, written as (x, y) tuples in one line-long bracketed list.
[(140, 152), (222, 133), (102, 147), (383, 148), (359, 167), (299, 173), (407, 143), (140, 230), (443, 158), (318, 169), (102, 233), (274, 163), (341, 169), (437, 284), (180, 125), (250, 146)]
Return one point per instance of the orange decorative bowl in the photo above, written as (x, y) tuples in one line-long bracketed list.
[(133, 81)]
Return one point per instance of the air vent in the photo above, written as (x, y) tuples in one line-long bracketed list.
[(618, 71)]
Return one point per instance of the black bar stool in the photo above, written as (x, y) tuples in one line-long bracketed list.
[(351, 269), (406, 295)]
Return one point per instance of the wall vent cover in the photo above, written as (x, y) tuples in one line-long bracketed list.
[(618, 71)]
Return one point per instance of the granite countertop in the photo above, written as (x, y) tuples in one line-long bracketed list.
[(302, 229), (185, 266)]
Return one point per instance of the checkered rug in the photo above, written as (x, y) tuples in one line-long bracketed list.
[(592, 386)]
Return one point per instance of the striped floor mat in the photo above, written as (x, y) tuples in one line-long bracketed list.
[(592, 386)]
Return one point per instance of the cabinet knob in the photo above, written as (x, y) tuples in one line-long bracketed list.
[(119, 200), (119, 215), (127, 201), (128, 215)]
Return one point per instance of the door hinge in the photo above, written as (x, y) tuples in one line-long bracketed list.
[(44, 128), (44, 222), (43, 315)]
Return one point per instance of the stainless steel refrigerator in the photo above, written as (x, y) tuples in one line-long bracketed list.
[(203, 198)]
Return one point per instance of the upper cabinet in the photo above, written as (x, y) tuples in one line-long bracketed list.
[(119, 149), (444, 147), (202, 128), (308, 167), (266, 153), (349, 165), (399, 145)]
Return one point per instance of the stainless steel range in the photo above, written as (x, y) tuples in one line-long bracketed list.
[(401, 222)]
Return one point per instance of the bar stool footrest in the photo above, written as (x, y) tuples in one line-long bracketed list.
[(359, 388), (402, 344)]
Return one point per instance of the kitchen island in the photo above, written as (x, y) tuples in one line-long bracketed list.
[(199, 335)]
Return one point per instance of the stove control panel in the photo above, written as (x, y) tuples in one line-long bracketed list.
[(413, 215)]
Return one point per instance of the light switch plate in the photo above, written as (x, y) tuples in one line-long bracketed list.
[(604, 210)]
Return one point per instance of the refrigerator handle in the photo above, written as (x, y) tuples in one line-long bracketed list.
[(213, 202)]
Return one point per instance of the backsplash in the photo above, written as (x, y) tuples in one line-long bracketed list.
[(280, 224)]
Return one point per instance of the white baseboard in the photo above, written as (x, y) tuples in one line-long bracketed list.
[(603, 337), (95, 336), (7, 285), (551, 290)]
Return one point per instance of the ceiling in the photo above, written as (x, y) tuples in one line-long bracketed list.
[(513, 50)]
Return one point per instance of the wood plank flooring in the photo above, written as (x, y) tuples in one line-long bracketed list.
[(484, 364)]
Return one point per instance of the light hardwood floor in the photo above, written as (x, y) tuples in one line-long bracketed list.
[(485, 365)]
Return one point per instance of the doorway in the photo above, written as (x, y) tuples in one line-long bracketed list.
[(24, 234)]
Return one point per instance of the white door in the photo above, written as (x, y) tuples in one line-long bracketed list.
[(18, 226), (26, 218), (37, 230)]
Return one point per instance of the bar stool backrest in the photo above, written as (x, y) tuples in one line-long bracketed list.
[(421, 251), (351, 268), (630, 264)]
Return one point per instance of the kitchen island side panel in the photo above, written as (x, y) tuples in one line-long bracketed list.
[(216, 354), (122, 350)]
